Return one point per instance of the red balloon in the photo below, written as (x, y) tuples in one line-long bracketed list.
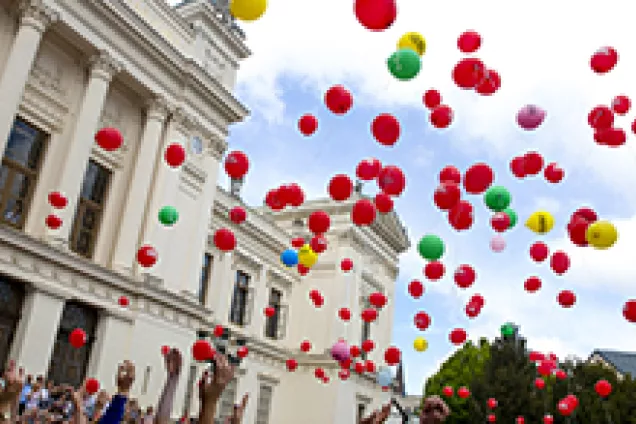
[(202, 350), (518, 166), (492, 418), (577, 229), (621, 105), (346, 265), (422, 320), (305, 346), (460, 220), (319, 222), (434, 270), (492, 403), (478, 300), (432, 99), (165, 350), (611, 137), (369, 366), (450, 174), (355, 351), (472, 310), (392, 355), (175, 155), (291, 364), (463, 392), (545, 367), (548, 419), (441, 116), (539, 251), (585, 213), (363, 212), (383, 202), (368, 169), (629, 310), (386, 129), (359, 367), (319, 373), (462, 207), (391, 180), (634, 126), (560, 374), (294, 194), (338, 100), (458, 336), (123, 301), (601, 117), (500, 222), (468, 72), (224, 240), (219, 330), (489, 83), (340, 187), (469, 42), (269, 312), (91, 386), (344, 374), (465, 276), (367, 345), (238, 215), (53, 221), (478, 178), (566, 298), (369, 315), (344, 314), (298, 242), (447, 391), (553, 173), (77, 338), (302, 269), (416, 289), (532, 284), (521, 420), (604, 60), (375, 15), (447, 195), (109, 139), (147, 256), (377, 299), (57, 200), (273, 200), (533, 162), (560, 262), (236, 164), (308, 124)]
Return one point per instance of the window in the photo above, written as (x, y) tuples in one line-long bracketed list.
[(365, 333), (19, 172), (361, 408), (273, 322), (205, 277), (240, 298), (11, 300), (189, 391), (90, 209), (264, 404)]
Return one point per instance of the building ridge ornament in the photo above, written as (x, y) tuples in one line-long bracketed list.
[(103, 65), (36, 14)]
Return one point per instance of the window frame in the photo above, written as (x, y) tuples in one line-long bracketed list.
[(263, 417), (273, 323), (241, 284), (204, 278)]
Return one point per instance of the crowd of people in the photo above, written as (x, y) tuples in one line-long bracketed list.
[(24, 399)]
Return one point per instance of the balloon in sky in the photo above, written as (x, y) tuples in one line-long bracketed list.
[(497, 198), (513, 216), (530, 117), (289, 258), (497, 243), (404, 64), (431, 247), (420, 344), (507, 330), (306, 256), (414, 41), (540, 222), (248, 10), (375, 15), (601, 234)]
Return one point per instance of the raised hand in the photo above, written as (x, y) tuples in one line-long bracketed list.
[(210, 389), (239, 410), (125, 377), (14, 380), (378, 416), (173, 363), (434, 411)]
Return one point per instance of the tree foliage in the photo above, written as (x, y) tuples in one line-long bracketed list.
[(502, 370)]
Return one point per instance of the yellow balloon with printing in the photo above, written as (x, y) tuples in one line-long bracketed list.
[(420, 344), (306, 256), (601, 235), (414, 41), (248, 10), (540, 222)]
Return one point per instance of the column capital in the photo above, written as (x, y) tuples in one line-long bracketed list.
[(157, 108), (104, 66), (36, 14), (183, 118)]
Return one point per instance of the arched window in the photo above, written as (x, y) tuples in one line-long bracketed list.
[(11, 299), (68, 364)]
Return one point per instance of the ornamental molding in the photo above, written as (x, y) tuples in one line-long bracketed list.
[(36, 14)]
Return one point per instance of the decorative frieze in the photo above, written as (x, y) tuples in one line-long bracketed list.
[(36, 14), (104, 66)]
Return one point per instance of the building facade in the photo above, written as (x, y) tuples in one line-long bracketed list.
[(161, 75), (622, 363)]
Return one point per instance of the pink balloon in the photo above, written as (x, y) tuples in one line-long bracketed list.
[(497, 243), (340, 351), (530, 117)]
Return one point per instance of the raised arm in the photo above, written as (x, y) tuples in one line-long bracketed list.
[(117, 407), (211, 387), (173, 369)]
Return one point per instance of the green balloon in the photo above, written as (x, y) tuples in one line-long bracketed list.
[(507, 330), (404, 64), (512, 215), (168, 216), (431, 247), (497, 198)]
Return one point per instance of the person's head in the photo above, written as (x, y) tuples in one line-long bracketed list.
[(49, 385), (150, 410), (434, 411), (29, 379)]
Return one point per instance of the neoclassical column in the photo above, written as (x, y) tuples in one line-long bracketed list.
[(34, 19), (139, 189), (102, 69)]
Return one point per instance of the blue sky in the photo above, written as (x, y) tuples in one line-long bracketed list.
[(543, 59)]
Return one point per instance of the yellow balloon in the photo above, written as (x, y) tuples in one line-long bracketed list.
[(601, 235), (306, 256), (414, 41), (248, 10), (540, 222), (420, 344)]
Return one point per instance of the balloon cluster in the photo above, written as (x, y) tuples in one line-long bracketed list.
[(470, 73), (405, 63)]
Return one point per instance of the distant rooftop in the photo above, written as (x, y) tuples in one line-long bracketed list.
[(222, 9), (624, 362)]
